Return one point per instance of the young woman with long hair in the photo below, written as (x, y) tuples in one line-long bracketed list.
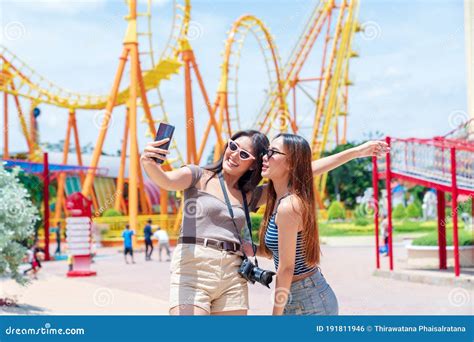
[(289, 231), (205, 263)]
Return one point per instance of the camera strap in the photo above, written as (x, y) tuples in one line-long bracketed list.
[(247, 217)]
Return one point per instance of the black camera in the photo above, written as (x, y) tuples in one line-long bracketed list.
[(254, 273)]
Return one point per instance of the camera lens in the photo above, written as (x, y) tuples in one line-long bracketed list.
[(262, 276), (267, 278)]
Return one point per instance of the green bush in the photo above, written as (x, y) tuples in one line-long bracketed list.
[(360, 212), (336, 211), (361, 221), (431, 239), (256, 220), (399, 212), (111, 213), (414, 210)]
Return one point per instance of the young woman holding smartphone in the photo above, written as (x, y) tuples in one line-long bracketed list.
[(204, 278)]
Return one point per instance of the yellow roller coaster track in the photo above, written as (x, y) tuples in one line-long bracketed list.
[(19, 80), (236, 37), (31, 85)]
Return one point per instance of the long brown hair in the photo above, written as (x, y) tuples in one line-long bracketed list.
[(300, 183), (250, 179)]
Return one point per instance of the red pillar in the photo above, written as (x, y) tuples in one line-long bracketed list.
[(46, 205), (389, 206), (375, 185), (442, 229), (454, 208), (6, 128)]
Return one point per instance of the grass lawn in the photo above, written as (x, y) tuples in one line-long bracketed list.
[(350, 229), (431, 239)]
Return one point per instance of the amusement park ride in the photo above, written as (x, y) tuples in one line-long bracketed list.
[(333, 22), (444, 163)]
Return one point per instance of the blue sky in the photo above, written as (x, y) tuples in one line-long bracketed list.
[(409, 80)]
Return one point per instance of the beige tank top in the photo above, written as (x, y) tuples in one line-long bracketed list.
[(207, 216)]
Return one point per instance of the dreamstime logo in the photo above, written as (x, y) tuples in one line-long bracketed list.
[(451, 40), (370, 206), (190, 122), (459, 297), (458, 118), (108, 202), (16, 208), (195, 30), (14, 30), (192, 208), (100, 119), (103, 297), (371, 30), (280, 297)]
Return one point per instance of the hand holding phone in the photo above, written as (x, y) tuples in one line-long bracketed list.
[(165, 131)]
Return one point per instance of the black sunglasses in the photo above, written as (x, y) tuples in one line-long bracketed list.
[(271, 152)]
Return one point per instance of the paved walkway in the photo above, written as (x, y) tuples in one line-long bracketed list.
[(142, 288)]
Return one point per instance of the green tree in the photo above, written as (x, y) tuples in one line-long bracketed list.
[(336, 211), (414, 210), (349, 180), (17, 220), (399, 212), (35, 185)]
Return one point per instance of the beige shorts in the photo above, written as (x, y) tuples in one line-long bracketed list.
[(207, 278)]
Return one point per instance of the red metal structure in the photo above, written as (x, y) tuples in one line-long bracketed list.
[(441, 163), (47, 172)]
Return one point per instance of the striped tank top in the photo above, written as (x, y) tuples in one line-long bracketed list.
[(271, 241)]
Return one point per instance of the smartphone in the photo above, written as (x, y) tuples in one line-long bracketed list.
[(164, 131)]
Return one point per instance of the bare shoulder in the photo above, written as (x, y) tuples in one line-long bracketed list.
[(290, 205), (289, 212)]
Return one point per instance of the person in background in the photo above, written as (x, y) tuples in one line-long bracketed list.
[(147, 233), (127, 243), (34, 257), (163, 242), (57, 230)]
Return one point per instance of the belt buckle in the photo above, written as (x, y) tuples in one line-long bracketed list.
[(220, 244)]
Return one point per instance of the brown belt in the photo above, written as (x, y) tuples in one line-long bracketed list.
[(216, 244)]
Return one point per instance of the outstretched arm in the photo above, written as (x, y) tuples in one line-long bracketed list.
[(368, 149), (175, 180)]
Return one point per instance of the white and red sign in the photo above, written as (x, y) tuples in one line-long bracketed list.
[(78, 235)]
